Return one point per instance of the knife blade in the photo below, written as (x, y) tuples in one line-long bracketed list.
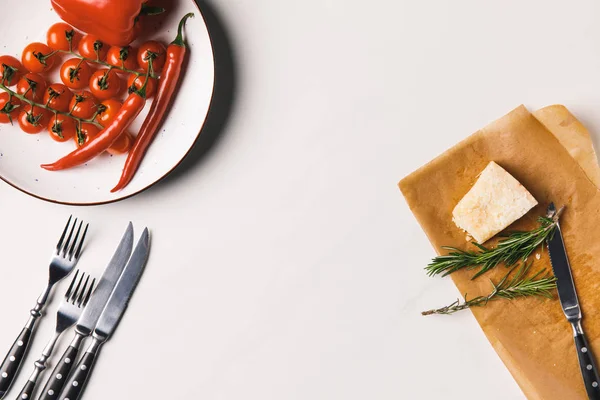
[(567, 295), (119, 300), (562, 271), (90, 316), (110, 318)]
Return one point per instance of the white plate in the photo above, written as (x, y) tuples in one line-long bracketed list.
[(21, 154)]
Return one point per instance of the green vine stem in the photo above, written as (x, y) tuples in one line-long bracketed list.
[(104, 63), (32, 103), (43, 57), (9, 71)]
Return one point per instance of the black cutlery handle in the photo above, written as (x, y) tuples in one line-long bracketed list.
[(588, 366), (77, 381), (60, 374), (27, 392), (12, 363)]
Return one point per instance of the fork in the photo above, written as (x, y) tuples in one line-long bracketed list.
[(75, 300), (64, 259)]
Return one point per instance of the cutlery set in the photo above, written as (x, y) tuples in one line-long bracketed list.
[(94, 309)]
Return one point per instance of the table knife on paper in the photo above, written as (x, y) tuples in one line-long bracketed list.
[(570, 306), (89, 318), (109, 319)]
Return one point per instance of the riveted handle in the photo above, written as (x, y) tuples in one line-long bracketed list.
[(60, 374), (588, 366), (27, 391), (76, 383), (11, 365)]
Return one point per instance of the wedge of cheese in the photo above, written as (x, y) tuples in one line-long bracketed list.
[(494, 202)]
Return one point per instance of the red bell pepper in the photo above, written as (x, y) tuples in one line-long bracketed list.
[(113, 21)]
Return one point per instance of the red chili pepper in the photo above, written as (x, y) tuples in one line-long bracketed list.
[(128, 112), (113, 21), (168, 82)]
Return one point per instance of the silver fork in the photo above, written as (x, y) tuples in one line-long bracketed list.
[(64, 259), (76, 299)]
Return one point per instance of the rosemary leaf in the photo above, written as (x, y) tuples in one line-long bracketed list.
[(516, 247), (540, 284)]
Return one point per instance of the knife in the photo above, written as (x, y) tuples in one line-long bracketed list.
[(109, 319), (89, 318), (570, 306)]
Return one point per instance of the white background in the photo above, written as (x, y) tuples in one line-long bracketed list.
[(285, 263)]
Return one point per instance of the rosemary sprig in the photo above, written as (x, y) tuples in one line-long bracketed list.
[(539, 285), (516, 247)]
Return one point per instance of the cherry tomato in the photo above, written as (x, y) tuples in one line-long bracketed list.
[(75, 73), (150, 49), (58, 97), (122, 145), (83, 105), (59, 34), (61, 128), (38, 57), (86, 133), (105, 84), (123, 57), (92, 47), (107, 111), (9, 108), (136, 82), (32, 86), (16, 67), (33, 119)]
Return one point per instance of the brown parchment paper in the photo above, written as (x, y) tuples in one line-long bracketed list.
[(573, 136), (531, 336)]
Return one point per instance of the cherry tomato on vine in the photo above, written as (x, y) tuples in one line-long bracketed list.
[(122, 57), (58, 97), (9, 108), (33, 119), (15, 66), (75, 73), (107, 111), (86, 133), (105, 84), (92, 47), (151, 49), (61, 128), (59, 34), (122, 145), (38, 57), (83, 105), (32, 86), (138, 81)]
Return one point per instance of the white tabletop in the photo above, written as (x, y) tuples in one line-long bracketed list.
[(285, 263)]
